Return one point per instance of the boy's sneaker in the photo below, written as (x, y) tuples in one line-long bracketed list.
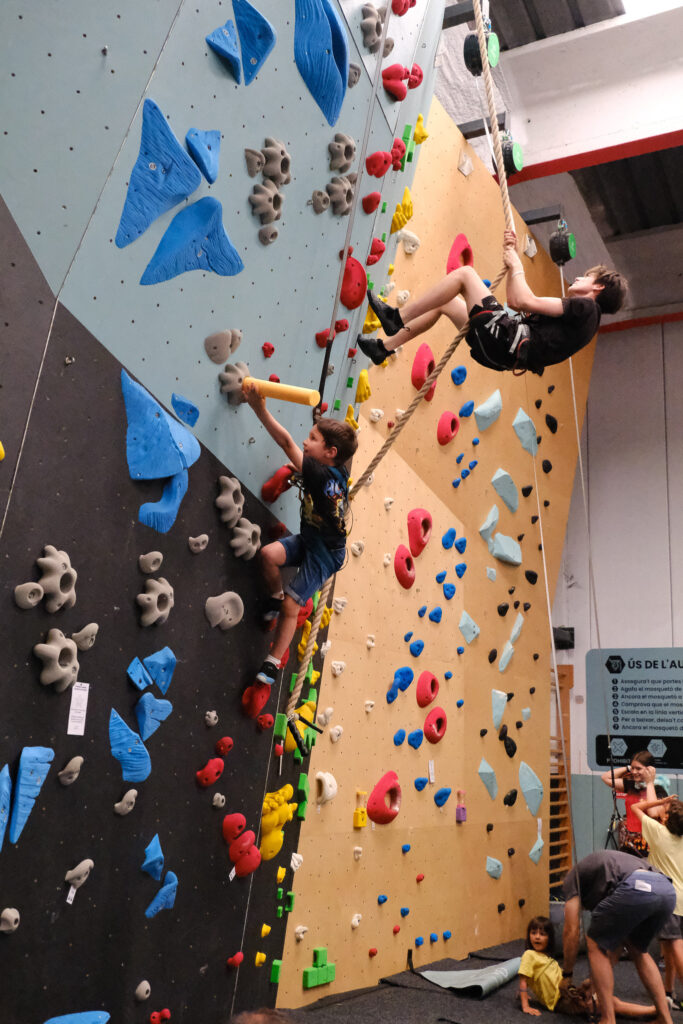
[(267, 673), (389, 317), (674, 1003), (374, 349), (271, 610)]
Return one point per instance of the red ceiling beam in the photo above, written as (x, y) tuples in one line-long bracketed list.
[(636, 147), (641, 321)]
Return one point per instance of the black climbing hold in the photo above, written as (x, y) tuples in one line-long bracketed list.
[(520, 903), (493, 654), (532, 689), (511, 590), (536, 657), (546, 465), (519, 725), (539, 438), (540, 547), (534, 519), (489, 827), (516, 605), (502, 732), (551, 389), (551, 423), (510, 695), (501, 908), (510, 746), (510, 798), (511, 851), (503, 609), (546, 503), (520, 536), (526, 491), (531, 576), (526, 606), (482, 732), (538, 403)]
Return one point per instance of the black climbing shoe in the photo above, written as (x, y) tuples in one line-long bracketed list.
[(271, 609), (267, 673), (389, 317), (374, 349)]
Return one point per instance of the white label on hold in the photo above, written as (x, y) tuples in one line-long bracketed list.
[(78, 709), (318, 807), (431, 772), (372, 826), (232, 874), (72, 893)]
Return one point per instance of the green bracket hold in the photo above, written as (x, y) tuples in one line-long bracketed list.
[(275, 969), (337, 405), (280, 727)]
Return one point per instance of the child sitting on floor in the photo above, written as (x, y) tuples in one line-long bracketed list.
[(319, 549), (549, 331)]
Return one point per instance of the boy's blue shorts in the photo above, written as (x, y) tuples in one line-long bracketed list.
[(316, 564)]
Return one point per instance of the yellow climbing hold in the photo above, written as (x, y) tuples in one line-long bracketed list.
[(265, 930), (372, 323), (390, 269), (420, 134), (277, 811), (403, 213), (2, 452), (306, 713), (363, 391), (325, 618), (305, 633), (281, 872), (260, 959), (349, 418), (407, 204)]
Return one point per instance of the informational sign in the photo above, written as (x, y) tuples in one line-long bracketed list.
[(637, 695)]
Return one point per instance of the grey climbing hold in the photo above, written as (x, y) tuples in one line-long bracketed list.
[(277, 163), (230, 501), (60, 662), (354, 74), (340, 191), (494, 868), (85, 638), (70, 771), (153, 864), (126, 803), (342, 152), (320, 201), (371, 27), (531, 786), (151, 562), (156, 602), (9, 920), (267, 234), (266, 202), (536, 850), (80, 874), (255, 161), (517, 628), (198, 544), (505, 549), (526, 431), (28, 595), (231, 380), (489, 411), (246, 539), (211, 718), (218, 800), (224, 610), (506, 654), (505, 488), (498, 704), (143, 991), (488, 777), (222, 344), (488, 526), (58, 579), (468, 627)]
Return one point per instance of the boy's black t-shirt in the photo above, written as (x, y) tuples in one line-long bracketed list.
[(556, 338), (324, 500)]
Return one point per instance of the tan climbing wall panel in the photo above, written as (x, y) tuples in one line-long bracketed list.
[(456, 894)]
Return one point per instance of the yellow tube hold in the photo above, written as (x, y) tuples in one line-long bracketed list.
[(260, 959), (285, 392), (265, 930)]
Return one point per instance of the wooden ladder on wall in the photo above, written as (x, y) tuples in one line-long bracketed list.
[(560, 822)]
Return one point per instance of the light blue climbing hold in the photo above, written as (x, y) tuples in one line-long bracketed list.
[(405, 911), (194, 240), (531, 786), (466, 410), (5, 800), (150, 712), (536, 850), (460, 545), (34, 764), (416, 648), (165, 898), (459, 703), (525, 430), (153, 863), (420, 782), (161, 515), (382, 899), (491, 574), (517, 628), (184, 409), (489, 411), (526, 714), (494, 867), (505, 549), (421, 613), (435, 614), (128, 749), (433, 937), (505, 655), (403, 677), (223, 41), (458, 375), (415, 738), (419, 941), (468, 627), (488, 777), (161, 666), (442, 795), (156, 444), (475, 441), (138, 674), (205, 148), (441, 576), (409, 635), (461, 650), (447, 934), (321, 54), (460, 457), (456, 482), (465, 473), (448, 538), (257, 38), (399, 737), (489, 524), (504, 486), (498, 704), (473, 464), (405, 847), (460, 569), (448, 675), (448, 590), (85, 1017), (163, 176)]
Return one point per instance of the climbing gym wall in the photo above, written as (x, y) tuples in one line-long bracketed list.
[(174, 212), (446, 683)]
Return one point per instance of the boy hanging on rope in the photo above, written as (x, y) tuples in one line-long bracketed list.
[(320, 548), (549, 330)]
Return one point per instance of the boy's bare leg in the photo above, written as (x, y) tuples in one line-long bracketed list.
[(464, 281), (286, 626), (623, 1009), (456, 310), (272, 557)]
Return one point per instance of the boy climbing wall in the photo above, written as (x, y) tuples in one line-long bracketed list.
[(548, 331)]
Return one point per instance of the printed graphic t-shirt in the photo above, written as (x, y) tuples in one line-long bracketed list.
[(323, 501)]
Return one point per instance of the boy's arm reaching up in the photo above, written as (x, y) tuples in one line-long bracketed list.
[(275, 429), (519, 294)]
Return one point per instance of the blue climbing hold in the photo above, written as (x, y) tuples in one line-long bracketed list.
[(405, 847), (416, 648), (165, 898), (435, 614), (205, 149), (86, 1017), (150, 713), (475, 441), (5, 798), (441, 576), (34, 764), (460, 569), (448, 675), (408, 636), (447, 934), (161, 515), (128, 749), (403, 677), (448, 590), (156, 444), (153, 863), (419, 941), (448, 538), (442, 795), (465, 473), (456, 482), (194, 240), (459, 703), (184, 409), (486, 281), (163, 175), (161, 666), (473, 463), (461, 650), (138, 675), (382, 899), (399, 737), (415, 738), (257, 38), (460, 457), (458, 375), (466, 410), (461, 544), (421, 612), (420, 782), (223, 41), (321, 53), (433, 937), (405, 911)]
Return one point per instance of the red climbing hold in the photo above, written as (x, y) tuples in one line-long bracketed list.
[(267, 349), (157, 1016), (415, 76), (323, 339), (233, 826), (372, 951), (392, 79), (419, 878), (447, 427), (427, 688), (236, 960), (354, 282), (460, 255), (279, 749), (352, 353), (400, 7), (341, 325), (224, 746), (384, 802), (423, 364), (274, 377), (377, 164), (211, 773), (435, 725), (398, 151), (255, 698), (279, 482), (304, 612), (419, 530), (265, 722), (241, 845), (396, 929), (376, 252), (276, 531), (323, 408), (371, 201), (404, 567)]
